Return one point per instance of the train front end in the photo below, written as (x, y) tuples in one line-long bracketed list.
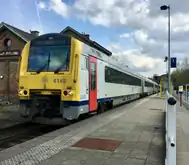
[(49, 78)]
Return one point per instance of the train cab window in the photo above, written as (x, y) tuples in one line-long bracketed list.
[(93, 75), (47, 55)]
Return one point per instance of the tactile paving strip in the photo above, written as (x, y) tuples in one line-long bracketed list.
[(46, 150)]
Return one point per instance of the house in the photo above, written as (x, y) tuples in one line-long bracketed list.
[(12, 41)]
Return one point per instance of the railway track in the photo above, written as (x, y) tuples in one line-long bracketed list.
[(20, 133), (12, 136), (23, 132)]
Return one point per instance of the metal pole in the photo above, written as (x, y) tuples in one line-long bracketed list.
[(169, 58)]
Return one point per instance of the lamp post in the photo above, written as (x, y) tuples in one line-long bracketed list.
[(165, 7)]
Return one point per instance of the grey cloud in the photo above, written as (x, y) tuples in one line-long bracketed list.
[(176, 6), (140, 69)]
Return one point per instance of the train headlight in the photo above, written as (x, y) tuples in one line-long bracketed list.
[(21, 92), (68, 93), (25, 92)]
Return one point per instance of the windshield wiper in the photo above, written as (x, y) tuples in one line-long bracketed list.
[(59, 68), (48, 62), (41, 69), (46, 65)]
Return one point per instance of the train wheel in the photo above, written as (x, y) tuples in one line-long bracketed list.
[(100, 108), (24, 111), (110, 105)]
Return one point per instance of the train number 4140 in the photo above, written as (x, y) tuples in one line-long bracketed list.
[(59, 80)]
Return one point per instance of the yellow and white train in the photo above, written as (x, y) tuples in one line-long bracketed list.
[(62, 78)]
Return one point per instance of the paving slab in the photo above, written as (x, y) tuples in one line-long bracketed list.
[(182, 141), (138, 129), (9, 116)]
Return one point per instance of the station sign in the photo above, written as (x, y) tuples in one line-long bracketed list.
[(9, 53), (173, 62), (181, 89)]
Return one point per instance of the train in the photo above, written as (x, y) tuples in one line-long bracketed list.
[(62, 78)]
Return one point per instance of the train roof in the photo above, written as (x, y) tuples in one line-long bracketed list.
[(86, 39)]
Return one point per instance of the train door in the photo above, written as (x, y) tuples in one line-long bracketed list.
[(92, 83)]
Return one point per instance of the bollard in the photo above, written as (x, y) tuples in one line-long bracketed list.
[(170, 136), (180, 99), (171, 101), (172, 141)]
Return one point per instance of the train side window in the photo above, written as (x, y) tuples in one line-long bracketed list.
[(115, 76), (147, 84), (87, 62), (107, 74), (93, 75)]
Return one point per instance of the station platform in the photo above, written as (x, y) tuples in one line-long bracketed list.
[(182, 138), (132, 134)]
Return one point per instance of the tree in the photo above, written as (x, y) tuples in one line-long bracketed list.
[(180, 76)]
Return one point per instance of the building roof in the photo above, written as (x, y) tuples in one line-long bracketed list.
[(163, 75), (20, 33), (85, 38)]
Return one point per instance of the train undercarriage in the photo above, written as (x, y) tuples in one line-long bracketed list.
[(41, 106), (49, 109)]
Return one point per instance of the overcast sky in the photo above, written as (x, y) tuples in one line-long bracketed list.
[(134, 30)]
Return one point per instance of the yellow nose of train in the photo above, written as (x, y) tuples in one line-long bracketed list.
[(49, 77), (46, 84)]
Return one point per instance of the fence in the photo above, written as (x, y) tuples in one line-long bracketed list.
[(170, 136), (183, 98)]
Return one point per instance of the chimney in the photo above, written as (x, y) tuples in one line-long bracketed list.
[(86, 36), (34, 33)]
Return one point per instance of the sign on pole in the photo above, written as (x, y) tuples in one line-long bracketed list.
[(173, 62), (180, 89)]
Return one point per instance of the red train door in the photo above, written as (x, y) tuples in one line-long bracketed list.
[(92, 83)]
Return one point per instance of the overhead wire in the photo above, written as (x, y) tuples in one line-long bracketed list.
[(38, 16)]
